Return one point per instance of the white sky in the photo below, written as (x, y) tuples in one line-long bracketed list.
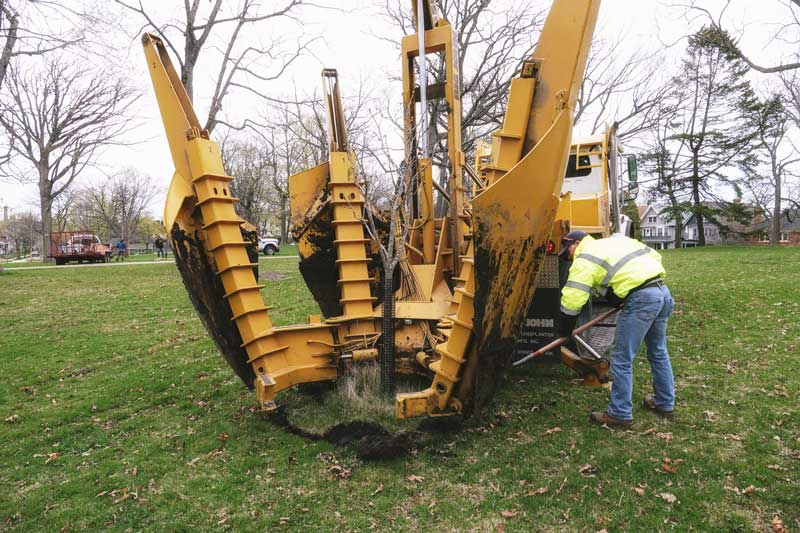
[(349, 44)]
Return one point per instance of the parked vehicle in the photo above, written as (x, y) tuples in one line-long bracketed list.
[(66, 246), (268, 245)]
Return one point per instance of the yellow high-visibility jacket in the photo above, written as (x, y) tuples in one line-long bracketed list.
[(617, 262)]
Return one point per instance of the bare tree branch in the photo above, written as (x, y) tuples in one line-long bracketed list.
[(57, 120)]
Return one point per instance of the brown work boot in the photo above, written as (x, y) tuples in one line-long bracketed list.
[(649, 403), (604, 419)]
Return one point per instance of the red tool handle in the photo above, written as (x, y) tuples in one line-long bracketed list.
[(561, 340)]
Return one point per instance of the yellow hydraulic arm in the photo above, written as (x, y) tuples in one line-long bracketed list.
[(212, 256), (512, 217)]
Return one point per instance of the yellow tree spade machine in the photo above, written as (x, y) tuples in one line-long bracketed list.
[(465, 280)]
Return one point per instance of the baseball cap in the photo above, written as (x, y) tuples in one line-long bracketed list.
[(569, 238)]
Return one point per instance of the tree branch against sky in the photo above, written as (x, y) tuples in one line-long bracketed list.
[(57, 119), (788, 31), (245, 59), (25, 29), (623, 86)]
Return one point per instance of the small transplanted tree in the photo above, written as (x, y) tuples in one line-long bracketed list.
[(57, 118)]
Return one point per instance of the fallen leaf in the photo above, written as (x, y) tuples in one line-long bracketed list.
[(777, 525), (711, 416), (500, 527), (604, 530), (665, 436), (776, 467), (222, 437), (537, 492), (378, 489), (669, 469), (639, 491), (509, 514), (587, 470), (553, 430), (52, 457), (415, 479), (12, 419), (649, 431), (667, 497)]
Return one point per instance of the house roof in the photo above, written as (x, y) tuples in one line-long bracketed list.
[(642, 209), (790, 221)]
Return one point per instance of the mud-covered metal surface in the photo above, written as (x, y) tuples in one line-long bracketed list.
[(318, 267), (207, 295), (512, 222)]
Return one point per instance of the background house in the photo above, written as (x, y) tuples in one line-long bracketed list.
[(790, 230), (658, 230)]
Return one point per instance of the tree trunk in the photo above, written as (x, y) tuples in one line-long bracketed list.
[(698, 215), (46, 208), (11, 39), (284, 221), (387, 334), (775, 232)]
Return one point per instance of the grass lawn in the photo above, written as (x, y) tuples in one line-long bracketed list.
[(119, 415)]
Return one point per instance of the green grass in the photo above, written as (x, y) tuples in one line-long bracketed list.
[(122, 416)]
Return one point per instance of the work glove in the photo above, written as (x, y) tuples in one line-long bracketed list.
[(612, 298)]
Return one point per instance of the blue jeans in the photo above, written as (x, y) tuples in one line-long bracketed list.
[(644, 318)]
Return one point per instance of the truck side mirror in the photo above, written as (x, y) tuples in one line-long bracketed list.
[(633, 173)]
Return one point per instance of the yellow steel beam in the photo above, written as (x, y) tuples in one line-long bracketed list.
[(200, 198)]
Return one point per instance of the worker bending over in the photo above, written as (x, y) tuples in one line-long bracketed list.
[(623, 270)]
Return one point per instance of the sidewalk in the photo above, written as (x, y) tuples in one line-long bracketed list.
[(124, 263)]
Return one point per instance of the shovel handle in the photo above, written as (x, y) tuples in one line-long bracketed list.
[(561, 340)]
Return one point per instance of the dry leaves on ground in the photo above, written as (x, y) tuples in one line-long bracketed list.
[(537, 492), (667, 497)]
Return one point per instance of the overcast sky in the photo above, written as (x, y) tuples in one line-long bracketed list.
[(349, 43)]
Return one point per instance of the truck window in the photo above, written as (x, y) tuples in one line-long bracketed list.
[(573, 171)]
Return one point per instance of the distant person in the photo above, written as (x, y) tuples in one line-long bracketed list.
[(159, 244), (122, 248)]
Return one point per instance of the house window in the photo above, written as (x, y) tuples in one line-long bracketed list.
[(652, 220), (764, 237), (646, 232), (784, 237)]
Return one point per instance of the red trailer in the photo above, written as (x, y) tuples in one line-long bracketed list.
[(66, 246)]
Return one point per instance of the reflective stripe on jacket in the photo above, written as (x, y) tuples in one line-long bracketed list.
[(617, 262)]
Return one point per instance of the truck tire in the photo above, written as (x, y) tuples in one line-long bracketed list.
[(270, 250), (59, 261)]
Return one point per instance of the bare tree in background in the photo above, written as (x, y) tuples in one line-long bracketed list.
[(779, 155), (491, 43), (622, 87), (788, 32), (221, 27), (791, 86), (23, 229), (57, 119), (250, 162), (22, 35), (117, 205)]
